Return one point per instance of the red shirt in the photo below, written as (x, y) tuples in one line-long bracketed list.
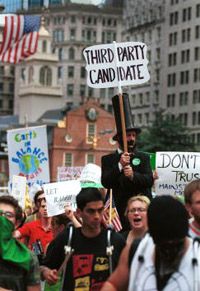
[(34, 231)]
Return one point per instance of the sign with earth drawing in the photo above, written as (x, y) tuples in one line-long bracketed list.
[(28, 154)]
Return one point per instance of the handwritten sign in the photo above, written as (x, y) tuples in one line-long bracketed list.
[(175, 170), (68, 173), (28, 154), (60, 194), (111, 64), (19, 189)]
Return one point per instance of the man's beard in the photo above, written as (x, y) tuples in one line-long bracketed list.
[(131, 146)]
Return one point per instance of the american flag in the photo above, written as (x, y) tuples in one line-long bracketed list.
[(20, 37), (115, 220)]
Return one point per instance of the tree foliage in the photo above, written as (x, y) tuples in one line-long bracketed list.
[(165, 134)]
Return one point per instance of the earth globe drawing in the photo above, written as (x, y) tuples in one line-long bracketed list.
[(29, 164)]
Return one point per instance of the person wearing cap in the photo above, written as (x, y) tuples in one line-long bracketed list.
[(126, 173), (192, 203), (166, 259)]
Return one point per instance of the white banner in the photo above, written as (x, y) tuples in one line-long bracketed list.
[(68, 173), (28, 154), (111, 65), (19, 189), (175, 170), (60, 194)]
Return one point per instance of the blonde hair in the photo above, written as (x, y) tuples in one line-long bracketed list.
[(139, 197)]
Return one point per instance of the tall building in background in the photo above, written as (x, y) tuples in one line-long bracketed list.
[(11, 6), (171, 29), (74, 27)]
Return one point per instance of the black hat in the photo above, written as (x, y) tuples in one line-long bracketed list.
[(167, 219), (127, 115)]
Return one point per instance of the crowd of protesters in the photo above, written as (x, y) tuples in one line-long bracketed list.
[(157, 248)]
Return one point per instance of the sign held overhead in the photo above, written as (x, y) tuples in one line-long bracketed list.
[(109, 65)]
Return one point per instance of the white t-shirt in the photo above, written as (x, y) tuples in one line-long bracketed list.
[(142, 273)]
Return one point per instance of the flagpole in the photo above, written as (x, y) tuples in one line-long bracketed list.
[(110, 207)]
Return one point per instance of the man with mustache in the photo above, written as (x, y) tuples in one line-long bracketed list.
[(127, 173)]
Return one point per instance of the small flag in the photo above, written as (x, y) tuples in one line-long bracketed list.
[(20, 37), (115, 220)]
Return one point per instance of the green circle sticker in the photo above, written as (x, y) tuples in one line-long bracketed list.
[(136, 162)]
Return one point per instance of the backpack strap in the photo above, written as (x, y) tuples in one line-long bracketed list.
[(195, 263), (133, 250), (109, 248)]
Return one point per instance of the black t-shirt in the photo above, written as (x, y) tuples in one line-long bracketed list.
[(88, 266)]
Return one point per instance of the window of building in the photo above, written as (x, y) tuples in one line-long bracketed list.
[(185, 56), (172, 38), (12, 70), (90, 159), (197, 53), (1, 87), (10, 104), (171, 100), (173, 18), (90, 92), (196, 96), (70, 71), (83, 72), (110, 92), (45, 76), (1, 70), (73, 19), (172, 59), (186, 35), (60, 72), (68, 160), (70, 89), (82, 90), (11, 87), (23, 73), (194, 115), (60, 54), (30, 74), (91, 132), (171, 80), (58, 35), (72, 33), (139, 118), (108, 36), (196, 75), (184, 77), (71, 53), (140, 98), (102, 93), (198, 10), (186, 14), (146, 118), (183, 98), (183, 117), (44, 46), (197, 31)]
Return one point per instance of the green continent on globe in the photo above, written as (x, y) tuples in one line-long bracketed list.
[(29, 164)]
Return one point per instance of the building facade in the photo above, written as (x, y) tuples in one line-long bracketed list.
[(84, 136), (171, 29)]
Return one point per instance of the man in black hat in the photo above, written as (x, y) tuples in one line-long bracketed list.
[(126, 173)]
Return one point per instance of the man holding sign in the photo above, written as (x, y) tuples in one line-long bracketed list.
[(127, 172)]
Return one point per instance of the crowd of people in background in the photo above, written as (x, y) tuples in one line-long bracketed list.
[(157, 248)]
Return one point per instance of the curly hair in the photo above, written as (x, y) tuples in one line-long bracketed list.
[(10, 200)]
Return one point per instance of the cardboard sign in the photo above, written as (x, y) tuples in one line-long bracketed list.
[(175, 170), (28, 154), (68, 173), (19, 189), (109, 65), (60, 194)]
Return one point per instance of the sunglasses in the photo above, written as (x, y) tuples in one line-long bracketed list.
[(39, 200), (7, 214)]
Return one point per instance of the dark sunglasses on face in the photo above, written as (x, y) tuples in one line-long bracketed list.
[(39, 200), (7, 214)]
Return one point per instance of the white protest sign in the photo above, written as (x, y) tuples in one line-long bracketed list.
[(91, 173), (109, 65), (60, 194), (68, 173), (175, 170), (19, 189)]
